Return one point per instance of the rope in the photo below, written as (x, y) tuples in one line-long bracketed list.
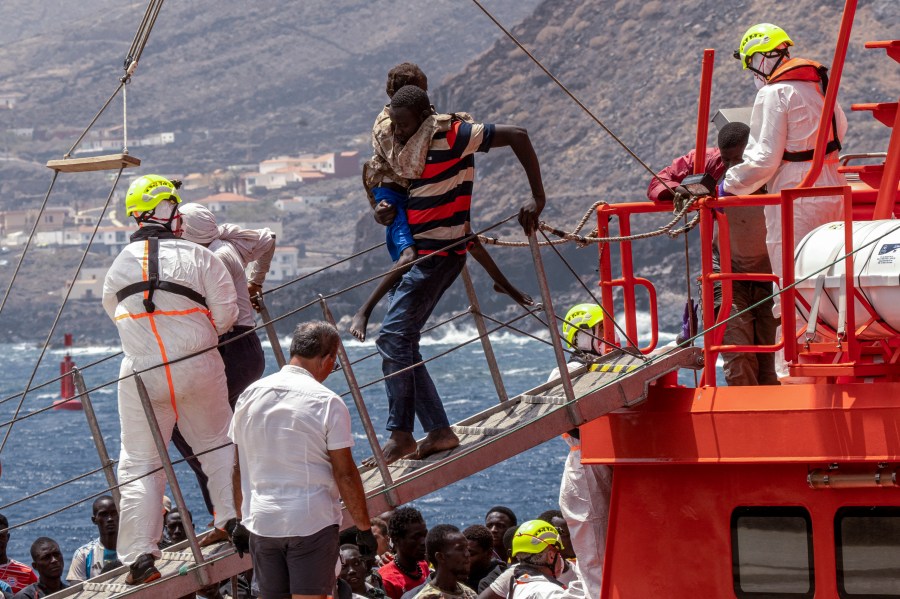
[(99, 493), (444, 353), (585, 240), (140, 39), (94, 120), (60, 377), (37, 221), (424, 331), (125, 120), (571, 95), (84, 256), (3, 508), (606, 314)]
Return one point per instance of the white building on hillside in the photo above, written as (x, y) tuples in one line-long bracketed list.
[(222, 204), (88, 286), (285, 264)]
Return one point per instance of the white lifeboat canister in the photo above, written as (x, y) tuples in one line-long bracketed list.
[(876, 268)]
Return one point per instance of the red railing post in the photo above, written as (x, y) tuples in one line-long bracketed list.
[(706, 72), (706, 295), (628, 280), (604, 213)]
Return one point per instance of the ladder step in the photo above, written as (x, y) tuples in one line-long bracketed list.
[(870, 174), (177, 556), (106, 587), (410, 463), (484, 431), (555, 400), (892, 47), (614, 368), (109, 162), (886, 112)]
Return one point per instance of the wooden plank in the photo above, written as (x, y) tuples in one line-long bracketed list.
[(109, 162)]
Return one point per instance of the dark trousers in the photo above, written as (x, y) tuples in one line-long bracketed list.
[(244, 364), (412, 393)]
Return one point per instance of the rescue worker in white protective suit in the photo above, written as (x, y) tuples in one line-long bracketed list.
[(585, 490), (538, 549), (242, 352), (169, 298), (783, 128)]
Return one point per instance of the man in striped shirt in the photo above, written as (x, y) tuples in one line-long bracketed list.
[(438, 211)]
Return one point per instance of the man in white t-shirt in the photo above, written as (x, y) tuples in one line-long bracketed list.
[(295, 462)]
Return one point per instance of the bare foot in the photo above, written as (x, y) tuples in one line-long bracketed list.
[(399, 445), (358, 325), (440, 440), (519, 297)]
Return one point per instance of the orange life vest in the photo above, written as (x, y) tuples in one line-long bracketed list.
[(802, 69)]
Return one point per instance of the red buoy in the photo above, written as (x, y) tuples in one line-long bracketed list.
[(67, 382)]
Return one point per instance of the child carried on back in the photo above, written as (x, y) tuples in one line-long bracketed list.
[(386, 178)]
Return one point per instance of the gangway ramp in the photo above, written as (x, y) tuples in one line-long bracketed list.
[(525, 421), (490, 437), (180, 575)]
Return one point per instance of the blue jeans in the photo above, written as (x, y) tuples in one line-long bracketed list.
[(412, 393)]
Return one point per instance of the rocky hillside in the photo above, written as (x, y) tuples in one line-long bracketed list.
[(243, 81), (637, 67)]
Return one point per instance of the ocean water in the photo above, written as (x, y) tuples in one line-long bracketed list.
[(55, 446)]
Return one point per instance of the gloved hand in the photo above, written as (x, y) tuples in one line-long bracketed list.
[(688, 322), (367, 543), (720, 190), (110, 566), (239, 536)]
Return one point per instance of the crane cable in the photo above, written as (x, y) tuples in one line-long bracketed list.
[(134, 53), (571, 95), (84, 256)]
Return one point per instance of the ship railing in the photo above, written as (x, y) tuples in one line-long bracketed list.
[(835, 351)]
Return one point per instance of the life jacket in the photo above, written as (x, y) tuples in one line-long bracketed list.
[(801, 69), (152, 235)]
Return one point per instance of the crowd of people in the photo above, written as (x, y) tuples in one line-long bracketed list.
[(408, 560)]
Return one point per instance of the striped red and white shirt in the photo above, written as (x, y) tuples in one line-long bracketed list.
[(440, 201)]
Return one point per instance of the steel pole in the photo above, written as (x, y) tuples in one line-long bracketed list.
[(91, 416), (270, 330), (161, 443), (475, 309), (574, 413), (363, 412)]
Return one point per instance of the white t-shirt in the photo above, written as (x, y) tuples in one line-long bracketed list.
[(284, 425)]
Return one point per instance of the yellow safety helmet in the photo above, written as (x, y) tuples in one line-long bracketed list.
[(534, 537), (581, 317), (764, 37), (145, 194)]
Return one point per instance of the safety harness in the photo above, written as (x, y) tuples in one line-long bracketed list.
[(801, 69), (152, 235)]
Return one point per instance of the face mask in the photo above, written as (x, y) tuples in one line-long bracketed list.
[(765, 65), (559, 565)]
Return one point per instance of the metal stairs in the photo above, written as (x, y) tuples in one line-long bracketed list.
[(526, 421), (487, 438)]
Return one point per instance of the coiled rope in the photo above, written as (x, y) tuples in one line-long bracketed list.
[(585, 240)]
